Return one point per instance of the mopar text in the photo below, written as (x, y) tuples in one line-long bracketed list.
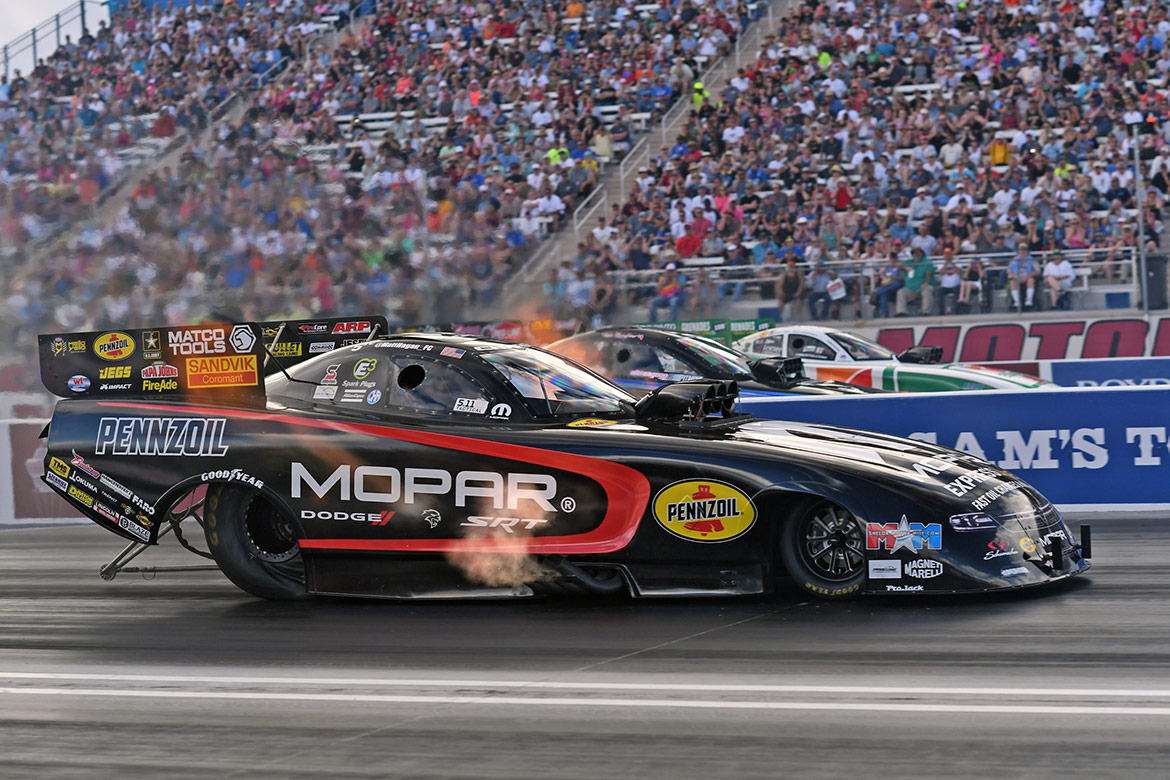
[(386, 484)]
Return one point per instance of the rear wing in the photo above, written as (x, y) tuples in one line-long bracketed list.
[(199, 361), (294, 341)]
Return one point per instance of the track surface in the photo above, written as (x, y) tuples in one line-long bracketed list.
[(186, 676)]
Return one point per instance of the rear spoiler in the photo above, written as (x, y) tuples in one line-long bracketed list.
[(219, 360), (212, 360), (295, 341)]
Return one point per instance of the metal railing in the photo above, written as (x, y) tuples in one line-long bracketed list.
[(1099, 271), (23, 51)]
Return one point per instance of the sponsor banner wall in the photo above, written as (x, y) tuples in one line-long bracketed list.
[(1108, 372), (1040, 339), (1084, 449), (24, 498)]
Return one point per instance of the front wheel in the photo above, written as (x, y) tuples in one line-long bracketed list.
[(823, 547), (253, 543)]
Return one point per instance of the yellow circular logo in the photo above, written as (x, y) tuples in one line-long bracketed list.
[(1027, 545), (113, 346), (704, 510)]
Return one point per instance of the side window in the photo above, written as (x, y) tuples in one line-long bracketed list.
[(769, 345), (430, 387), (638, 360), (807, 346)]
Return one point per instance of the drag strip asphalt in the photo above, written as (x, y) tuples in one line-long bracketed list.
[(184, 676)]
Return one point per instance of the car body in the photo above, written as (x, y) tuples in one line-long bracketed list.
[(641, 358), (436, 465), (838, 355)]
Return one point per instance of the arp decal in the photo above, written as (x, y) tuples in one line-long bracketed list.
[(114, 345), (704, 510), (903, 535)]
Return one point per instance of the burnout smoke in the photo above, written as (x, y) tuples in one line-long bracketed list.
[(487, 553)]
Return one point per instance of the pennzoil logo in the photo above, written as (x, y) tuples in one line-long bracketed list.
[(114, 345), (704, 510)]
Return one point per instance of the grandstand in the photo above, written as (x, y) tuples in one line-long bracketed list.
[(451, 162)]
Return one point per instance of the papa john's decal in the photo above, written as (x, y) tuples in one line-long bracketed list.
[(704, 510)]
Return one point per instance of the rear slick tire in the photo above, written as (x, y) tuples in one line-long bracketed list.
[(253, 543), (823, 548)]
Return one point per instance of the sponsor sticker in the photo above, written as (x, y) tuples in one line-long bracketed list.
[(313, 327), (374, 396), (501, 410), (975, 521), (134, 529), (704, 511), (160, 371), (352, 395), (1014, 571), (1027, 545), (884, 570), (285, 349), (998, 548), (106, 512), (364, 367), (922, 569), (62, 346), (56, 482), (190, 436), (904, 588), (321, 347), (209, 340), (432, 518), (80, 495), (903, 535), (471, 405), (330, 377), (233, 475), (222, 371), (115, 386), (80, 463), (325, 392), (151, 345), (591, 422), (114, 372), (58, 466), (242, 338), (451, 352), (78, 383), (114, 345), (159, 385), (352, 327)]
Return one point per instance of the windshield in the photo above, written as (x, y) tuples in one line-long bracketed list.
[(553, 386), (862, 349), (718, 356)]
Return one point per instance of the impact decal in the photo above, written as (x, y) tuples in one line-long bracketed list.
[(191, 436), (704, 511), (903, 535), (114, 345)]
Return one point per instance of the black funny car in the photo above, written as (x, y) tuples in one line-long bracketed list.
[(327, 457)]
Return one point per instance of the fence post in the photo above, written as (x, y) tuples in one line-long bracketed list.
[(57, 24), (81, 9)]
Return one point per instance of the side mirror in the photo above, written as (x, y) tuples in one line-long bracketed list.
[(922, 354)]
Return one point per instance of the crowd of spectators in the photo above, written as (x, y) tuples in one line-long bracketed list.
[(65, 126), (979, 132), (289, 211)]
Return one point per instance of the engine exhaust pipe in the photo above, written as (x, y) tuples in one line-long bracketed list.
[(591, 582)]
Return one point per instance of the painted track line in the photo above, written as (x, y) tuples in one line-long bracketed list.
[(898, 690), (597, 703)]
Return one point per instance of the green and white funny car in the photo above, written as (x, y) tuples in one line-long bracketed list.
[(839, 356)]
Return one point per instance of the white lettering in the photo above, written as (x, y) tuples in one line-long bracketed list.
[(360, 493), (969, 444), (1035, 453), (416, 486), (1088, 448), (1145, 438), (301, 474)]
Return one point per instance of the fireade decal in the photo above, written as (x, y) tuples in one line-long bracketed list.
[(114, 345), (222, 371), (704, 511)]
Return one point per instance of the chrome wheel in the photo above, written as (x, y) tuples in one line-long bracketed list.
[(832, 543)]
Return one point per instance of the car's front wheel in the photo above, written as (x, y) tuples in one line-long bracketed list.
[(823, 548), (253, 543)]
